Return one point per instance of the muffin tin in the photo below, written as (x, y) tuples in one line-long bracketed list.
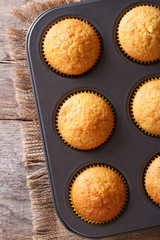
[(115, 77)]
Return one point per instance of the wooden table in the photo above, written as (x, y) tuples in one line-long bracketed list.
[(15, 210)]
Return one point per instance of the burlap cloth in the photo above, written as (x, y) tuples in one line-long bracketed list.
[(45, 222)]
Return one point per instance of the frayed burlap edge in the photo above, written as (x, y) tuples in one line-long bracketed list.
[(45, 223)]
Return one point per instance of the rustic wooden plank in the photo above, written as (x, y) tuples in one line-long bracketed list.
[(7, 19), (15, 210), (8, 103)]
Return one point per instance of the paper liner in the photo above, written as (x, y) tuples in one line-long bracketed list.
[(131, 105), (70, 189), (118, 40), (61, 73), (144, 178), (84, 91)]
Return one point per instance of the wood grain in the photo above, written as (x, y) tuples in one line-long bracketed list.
[(15, 211), (6, 19), (8, 103)]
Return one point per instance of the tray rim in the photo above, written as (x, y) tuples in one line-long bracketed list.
[(41, 125)]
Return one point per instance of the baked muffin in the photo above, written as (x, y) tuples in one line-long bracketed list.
[(85, 120), (139, 33), (152, 180), (71, 46), (98, 194), (146, 106)]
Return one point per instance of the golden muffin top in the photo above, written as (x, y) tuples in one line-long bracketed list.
[(146, 107), (139, 33), (71, 46), (152, 180), (85, 120), (98, 194)]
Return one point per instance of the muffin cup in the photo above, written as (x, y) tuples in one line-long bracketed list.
[(72, 94), (70, 189), (144, 177), (131, 105), (118, 41), (61, 73)]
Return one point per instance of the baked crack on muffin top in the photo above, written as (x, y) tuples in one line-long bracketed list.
[(152, 180), (139, 33), (98, 194), (146, 106), (71, 46), (85, 120)]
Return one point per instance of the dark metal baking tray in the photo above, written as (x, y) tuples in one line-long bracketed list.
[(115, 77)]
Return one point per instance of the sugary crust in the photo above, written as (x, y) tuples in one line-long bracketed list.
[(71, 46), (139, 33), (85, 121), (146, 107), (98, 194), (152, 180)]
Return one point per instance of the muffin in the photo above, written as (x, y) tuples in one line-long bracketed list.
[(139, 33), (98, 194), (152, 180), (71, 46), (85, 120), (146, 106)]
